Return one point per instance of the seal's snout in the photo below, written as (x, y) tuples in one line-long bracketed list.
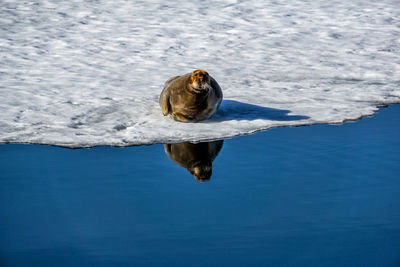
[(203, 172), (204, 78)]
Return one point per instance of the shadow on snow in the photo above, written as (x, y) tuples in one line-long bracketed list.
[(235, 110)]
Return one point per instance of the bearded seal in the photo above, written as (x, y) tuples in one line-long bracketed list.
[(191, 97), (196, 158)]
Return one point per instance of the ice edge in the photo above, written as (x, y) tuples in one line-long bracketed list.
[(201, 140)]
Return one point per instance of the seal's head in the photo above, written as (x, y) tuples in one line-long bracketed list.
[(200, 80), (201, 171)]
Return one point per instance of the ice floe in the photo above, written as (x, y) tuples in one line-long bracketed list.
[(87, 73)]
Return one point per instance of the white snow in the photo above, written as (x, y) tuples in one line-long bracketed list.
[(86, 73)]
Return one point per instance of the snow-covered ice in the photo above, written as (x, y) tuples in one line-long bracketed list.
[(86, 73)]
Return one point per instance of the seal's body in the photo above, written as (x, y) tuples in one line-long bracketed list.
[(191, 97)]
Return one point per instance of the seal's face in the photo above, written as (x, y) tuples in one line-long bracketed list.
[(200, 80), (201, 171)]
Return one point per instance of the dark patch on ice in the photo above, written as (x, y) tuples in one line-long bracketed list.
[(246, 82), (336, 35), (76, 117), (388, 49), (119, 127), (350, 80), (235, 110), (62, 14), (75, 125)]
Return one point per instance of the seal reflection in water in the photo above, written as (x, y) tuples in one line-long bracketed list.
[(191, 97), (196, 158)]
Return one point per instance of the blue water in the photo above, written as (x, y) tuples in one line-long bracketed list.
[(307, 196)]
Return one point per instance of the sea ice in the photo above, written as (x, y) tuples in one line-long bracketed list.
[(87, 73)]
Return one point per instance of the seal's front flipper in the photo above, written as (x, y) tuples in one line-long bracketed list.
[(165, 108), (180, 117), (164, 103)]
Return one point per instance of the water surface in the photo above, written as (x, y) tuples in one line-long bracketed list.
[(324, 195)]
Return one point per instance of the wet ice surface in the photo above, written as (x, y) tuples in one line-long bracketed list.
[(88, 73)]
